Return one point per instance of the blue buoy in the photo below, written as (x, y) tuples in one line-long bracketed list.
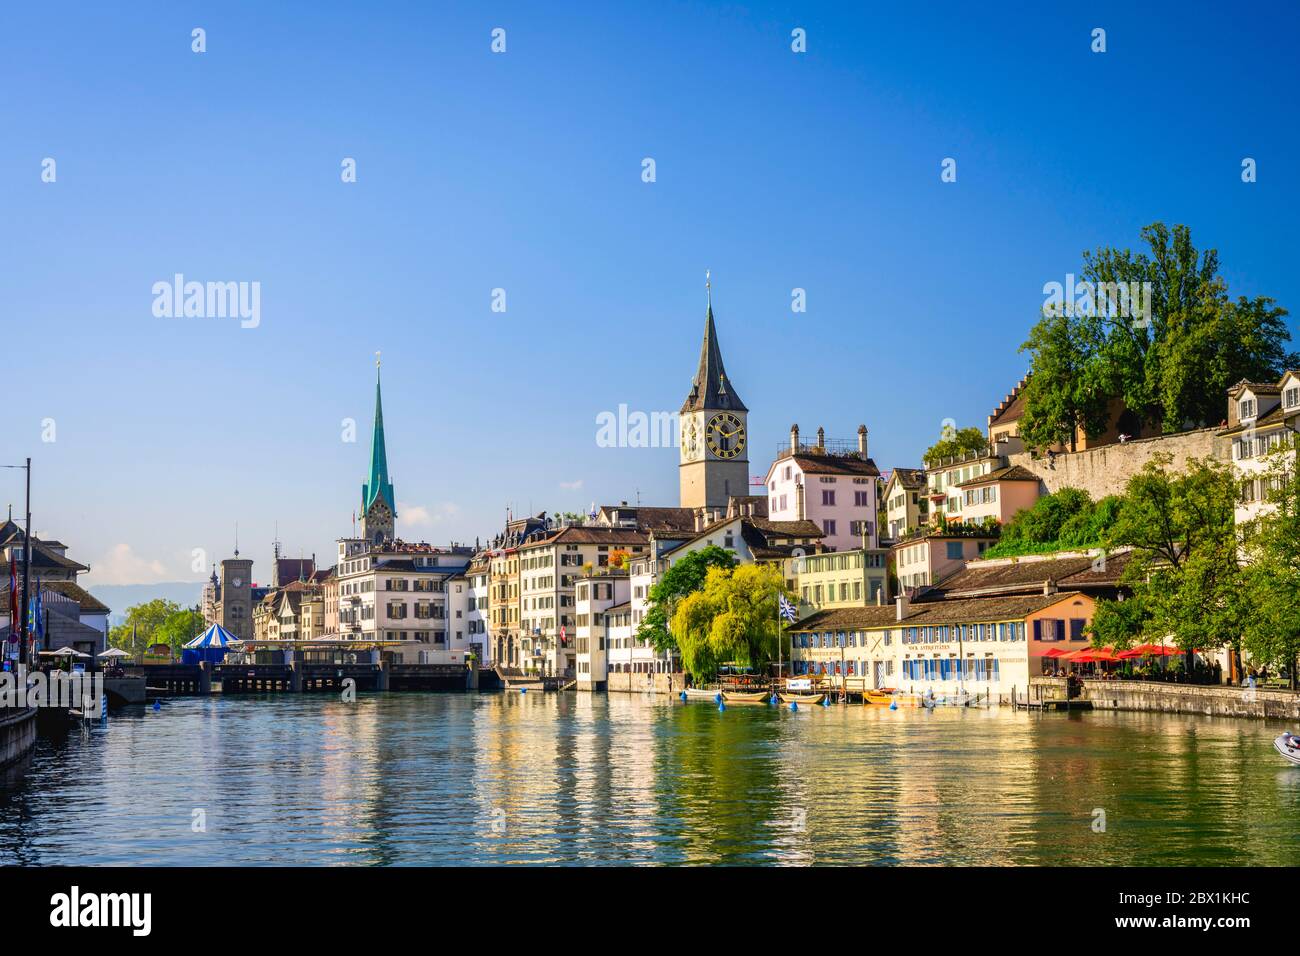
[(717, 698), (826, 701), (893, 705), (523, 690), (794, 705), (772, 699), (157, 705), (683, 695), (721, 706)]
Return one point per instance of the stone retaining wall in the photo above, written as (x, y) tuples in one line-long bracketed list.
[(668, 684), (17, 733), (1210, 701), (1106, 470)]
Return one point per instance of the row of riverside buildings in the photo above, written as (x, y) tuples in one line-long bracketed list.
[(893, 587)]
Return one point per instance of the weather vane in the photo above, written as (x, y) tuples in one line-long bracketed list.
[(376, 360)]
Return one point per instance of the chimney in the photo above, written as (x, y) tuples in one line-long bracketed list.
[(821, 439), (862, 442), (794, 439), (1049, 588), (901, 607)]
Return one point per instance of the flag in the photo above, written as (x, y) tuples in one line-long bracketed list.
[(13, 600), (34, 613), (787, 609)]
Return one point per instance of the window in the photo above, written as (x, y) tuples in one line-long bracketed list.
[(1291, 397), (828, 497), (828, 525), (861, 499), (954, 550), (1246, 408)]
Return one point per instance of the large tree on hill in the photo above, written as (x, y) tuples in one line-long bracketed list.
[(1170, 364)]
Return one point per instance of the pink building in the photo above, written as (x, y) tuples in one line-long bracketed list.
[(833, 484)]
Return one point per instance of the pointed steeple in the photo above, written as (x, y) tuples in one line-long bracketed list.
[(378, 485), (711, 389)]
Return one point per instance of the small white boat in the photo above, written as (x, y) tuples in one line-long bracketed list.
[(1288, 745), (701, 693)]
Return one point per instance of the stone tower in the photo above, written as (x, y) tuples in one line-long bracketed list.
[(378, 507), (714, 452), (236, 607)]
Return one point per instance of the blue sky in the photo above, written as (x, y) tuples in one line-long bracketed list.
[(522, 171)]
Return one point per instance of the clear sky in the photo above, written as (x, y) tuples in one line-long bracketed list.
[(523, 171)]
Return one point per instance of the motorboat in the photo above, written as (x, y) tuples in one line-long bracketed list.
[(1288, 745)]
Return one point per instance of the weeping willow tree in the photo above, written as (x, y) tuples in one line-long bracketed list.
[(731, 619)]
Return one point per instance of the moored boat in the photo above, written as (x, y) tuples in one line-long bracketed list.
[(1288, 745), (745, 697), (701, 693), (802, 698), (877, 697)]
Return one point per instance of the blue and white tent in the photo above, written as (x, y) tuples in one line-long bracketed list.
[(210, 646), (215, 636)]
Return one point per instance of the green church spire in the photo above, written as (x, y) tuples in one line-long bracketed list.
[(378, 486)]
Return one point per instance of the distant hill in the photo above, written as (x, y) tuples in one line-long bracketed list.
[(119, 597)]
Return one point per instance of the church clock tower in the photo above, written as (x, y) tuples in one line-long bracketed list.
[(378, 506), (714, 453)]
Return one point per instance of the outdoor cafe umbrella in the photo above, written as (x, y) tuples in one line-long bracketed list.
[(114, 652), (63, 652), (1056, 652)]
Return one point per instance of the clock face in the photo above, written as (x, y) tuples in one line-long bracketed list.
[(725, 435), (238, 582), (690, 440)]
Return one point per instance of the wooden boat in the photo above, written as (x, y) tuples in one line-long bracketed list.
[(701, 693), (877, 697), (745, 697), (802, 698)]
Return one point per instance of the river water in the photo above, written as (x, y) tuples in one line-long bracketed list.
[(586, 779)]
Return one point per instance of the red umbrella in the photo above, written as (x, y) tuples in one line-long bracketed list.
[(1056, 652)]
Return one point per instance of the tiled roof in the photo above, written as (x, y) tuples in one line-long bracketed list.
[(847, 619), (910, 478), (835, 465), (985, 609), (1010, 473), (1032, 574), (70, 589), (591, 534)]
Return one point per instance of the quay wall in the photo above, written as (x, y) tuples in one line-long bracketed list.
[(1209, 701), (17, 733), (668, 684), (1106, 470)]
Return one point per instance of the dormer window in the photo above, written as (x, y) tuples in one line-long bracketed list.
[(1246, 409), (1291, 397)]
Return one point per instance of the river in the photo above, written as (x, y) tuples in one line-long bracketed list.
[(588, 779)]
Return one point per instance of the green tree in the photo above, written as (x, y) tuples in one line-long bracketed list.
[(684, 577), (731, 619), (953, 441), (1169, 364), (1184, 565), (156, 622), (180, 627)]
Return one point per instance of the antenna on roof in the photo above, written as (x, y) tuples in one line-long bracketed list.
[(236, 539)]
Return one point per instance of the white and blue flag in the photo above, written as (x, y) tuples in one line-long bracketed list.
[(787, 609)]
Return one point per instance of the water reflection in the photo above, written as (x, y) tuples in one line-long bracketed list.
[(582, 779)]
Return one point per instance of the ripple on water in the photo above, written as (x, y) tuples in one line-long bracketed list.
[(585, 779)]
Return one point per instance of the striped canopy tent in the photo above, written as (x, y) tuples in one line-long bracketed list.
[(215, 636), (210, 646)]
